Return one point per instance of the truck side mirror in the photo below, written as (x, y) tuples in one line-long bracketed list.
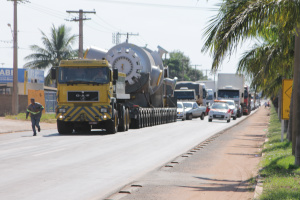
[(53, 73), (115, 74)]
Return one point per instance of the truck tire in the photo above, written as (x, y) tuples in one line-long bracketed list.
[(122, 119), (202, 116), (112, 125), (64, 127)]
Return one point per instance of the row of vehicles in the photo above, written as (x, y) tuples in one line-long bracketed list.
[(219, 110), (128, 87)]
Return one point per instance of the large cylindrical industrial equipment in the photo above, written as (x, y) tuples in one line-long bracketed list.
[(143, 68)]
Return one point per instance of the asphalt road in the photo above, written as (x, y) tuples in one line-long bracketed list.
[(92, 166)]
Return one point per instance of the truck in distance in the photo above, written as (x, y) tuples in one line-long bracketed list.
[(231, 86), (199, 88)]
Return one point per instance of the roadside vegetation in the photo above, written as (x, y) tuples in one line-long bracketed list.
[(281, 175), (49, 118)]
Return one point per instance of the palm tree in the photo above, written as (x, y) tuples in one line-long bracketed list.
[(244, 19), (56, 48)]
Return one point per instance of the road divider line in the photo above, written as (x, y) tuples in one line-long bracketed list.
[(47, 152)]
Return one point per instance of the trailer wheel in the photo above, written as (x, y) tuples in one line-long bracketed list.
[(122, 120), (127, 119), (112, 125), (64, 127)]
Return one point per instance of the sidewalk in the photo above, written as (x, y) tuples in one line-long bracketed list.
[(223, 167), (10, 126)]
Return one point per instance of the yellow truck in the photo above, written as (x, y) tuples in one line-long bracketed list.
[(87, 93)]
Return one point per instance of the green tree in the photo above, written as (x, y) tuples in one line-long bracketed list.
[(57, 47), (179, 66), (244, 19)]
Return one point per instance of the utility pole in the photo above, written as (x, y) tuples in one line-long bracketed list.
[(15, 95), (80, 20), (196, 71), (117, 36)]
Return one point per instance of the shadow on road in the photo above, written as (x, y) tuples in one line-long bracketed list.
[(92, 133)]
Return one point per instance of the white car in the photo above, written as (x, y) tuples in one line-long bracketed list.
[(232, 106), (181, 114), (193, 110), (219, 111)]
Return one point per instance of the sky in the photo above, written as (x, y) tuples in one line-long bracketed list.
[(171, 24)]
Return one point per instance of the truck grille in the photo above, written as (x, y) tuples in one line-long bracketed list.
[(83, 96)]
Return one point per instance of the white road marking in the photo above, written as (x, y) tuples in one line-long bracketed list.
[(47, 152)]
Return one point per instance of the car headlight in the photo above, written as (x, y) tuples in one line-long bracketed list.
[(62, 110), (104, 110)]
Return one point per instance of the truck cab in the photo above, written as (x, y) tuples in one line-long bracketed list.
[(87, 91)]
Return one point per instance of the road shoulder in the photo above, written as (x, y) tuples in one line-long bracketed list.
[(223, 167)]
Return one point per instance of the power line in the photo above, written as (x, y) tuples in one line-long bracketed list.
[(117, 36), (154, 5)]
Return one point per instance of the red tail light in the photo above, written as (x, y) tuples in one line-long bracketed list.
[(228, 111)]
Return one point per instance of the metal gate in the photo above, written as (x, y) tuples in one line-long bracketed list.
[(50, 101)]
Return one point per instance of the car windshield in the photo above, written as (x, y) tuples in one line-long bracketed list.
[(179, 105), (219, 106), (230, 103), (79, 75), (188, 105)]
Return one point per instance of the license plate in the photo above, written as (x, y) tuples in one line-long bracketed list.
[(219, 116)]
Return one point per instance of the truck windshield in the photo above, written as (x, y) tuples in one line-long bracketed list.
[(246, 93), (204, 93), (228, 94), (184, 94), (79, 75), (209, 97)]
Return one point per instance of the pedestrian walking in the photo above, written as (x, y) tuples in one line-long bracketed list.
[(35, 109)]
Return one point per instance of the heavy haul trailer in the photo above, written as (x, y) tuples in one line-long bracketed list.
[(151, 91), (90, 95)]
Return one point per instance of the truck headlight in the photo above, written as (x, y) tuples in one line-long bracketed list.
[(103, 110), (62, 110)]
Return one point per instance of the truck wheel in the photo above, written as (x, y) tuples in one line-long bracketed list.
[(122, 119), (202, 116), (112, 125), (64, 127)]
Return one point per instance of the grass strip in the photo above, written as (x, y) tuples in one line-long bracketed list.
[(281, 176), (49, 118)]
